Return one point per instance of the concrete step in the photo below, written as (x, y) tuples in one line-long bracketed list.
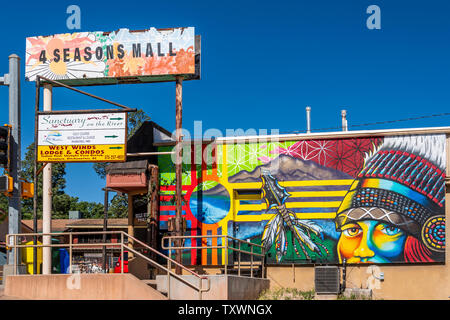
[(150, 282), (221, 287), (113, 286), (154, 284)]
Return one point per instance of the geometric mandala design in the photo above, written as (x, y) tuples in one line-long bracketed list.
[(433, 233)]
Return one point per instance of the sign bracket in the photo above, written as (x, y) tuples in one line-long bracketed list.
[(126, 109)]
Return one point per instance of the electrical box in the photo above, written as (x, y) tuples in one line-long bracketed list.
[(27, 189)]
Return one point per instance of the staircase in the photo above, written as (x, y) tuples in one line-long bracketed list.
[(200, 285), (244, 279)]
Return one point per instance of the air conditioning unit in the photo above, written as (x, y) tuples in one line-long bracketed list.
[(327, 280)]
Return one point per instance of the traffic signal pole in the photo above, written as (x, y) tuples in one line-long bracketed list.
[(14, 209)]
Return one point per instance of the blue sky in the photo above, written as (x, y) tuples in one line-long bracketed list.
[(263, 62)]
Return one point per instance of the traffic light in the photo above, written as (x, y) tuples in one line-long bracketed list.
[(6, 184), (6, 181), (5, 137)]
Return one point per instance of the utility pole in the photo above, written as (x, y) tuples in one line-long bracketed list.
[(14, 206), (47, 196)]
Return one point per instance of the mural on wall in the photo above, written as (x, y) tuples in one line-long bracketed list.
[(379, 200)]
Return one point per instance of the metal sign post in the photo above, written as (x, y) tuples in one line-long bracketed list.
[(46, 168), (12, 80)]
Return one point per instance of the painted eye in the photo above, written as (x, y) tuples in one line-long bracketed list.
[(352, 232), (390, 230)]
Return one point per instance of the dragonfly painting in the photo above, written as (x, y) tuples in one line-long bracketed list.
[(285, 220)]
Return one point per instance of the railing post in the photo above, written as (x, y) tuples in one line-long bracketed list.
[(169, 267), (200, 289), (70, 253), (239, 259), (251, 261), (226, 257), (121, 253), (263, 261), (15, 255)]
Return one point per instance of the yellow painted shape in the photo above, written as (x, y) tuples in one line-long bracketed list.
[(307, 183), (343, 182), (317, 204), (309, 215), (312, 194)]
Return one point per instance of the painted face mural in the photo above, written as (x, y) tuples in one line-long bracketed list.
[(371, 241), (394, 211), (365, 200)]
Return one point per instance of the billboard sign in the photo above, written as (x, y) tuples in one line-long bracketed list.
[(91, 137), (92, 58)]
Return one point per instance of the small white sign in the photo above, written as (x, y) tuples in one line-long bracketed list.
[(80, 137), (90, 137), (89, 121)]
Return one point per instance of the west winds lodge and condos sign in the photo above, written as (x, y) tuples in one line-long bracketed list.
[(123, 56)]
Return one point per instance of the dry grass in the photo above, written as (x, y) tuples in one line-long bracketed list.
[(287, 294)]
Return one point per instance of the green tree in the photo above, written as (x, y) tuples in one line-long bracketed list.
[(135, 120), (118, 207), (89, 210), (3, 207), (61, 202)]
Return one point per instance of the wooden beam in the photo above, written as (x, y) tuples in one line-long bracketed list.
[(178, 172), (153, 207), (130, 223)]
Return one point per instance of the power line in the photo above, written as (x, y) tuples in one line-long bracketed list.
[(375, 123)]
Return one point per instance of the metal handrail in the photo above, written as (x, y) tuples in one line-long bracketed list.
[(169, 270), (122, 244), (226, 237)]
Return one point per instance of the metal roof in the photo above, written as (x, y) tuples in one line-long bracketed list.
[(129, 167), (319, 135), (333, 135)]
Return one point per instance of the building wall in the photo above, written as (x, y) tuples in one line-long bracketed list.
[(370, 199)]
